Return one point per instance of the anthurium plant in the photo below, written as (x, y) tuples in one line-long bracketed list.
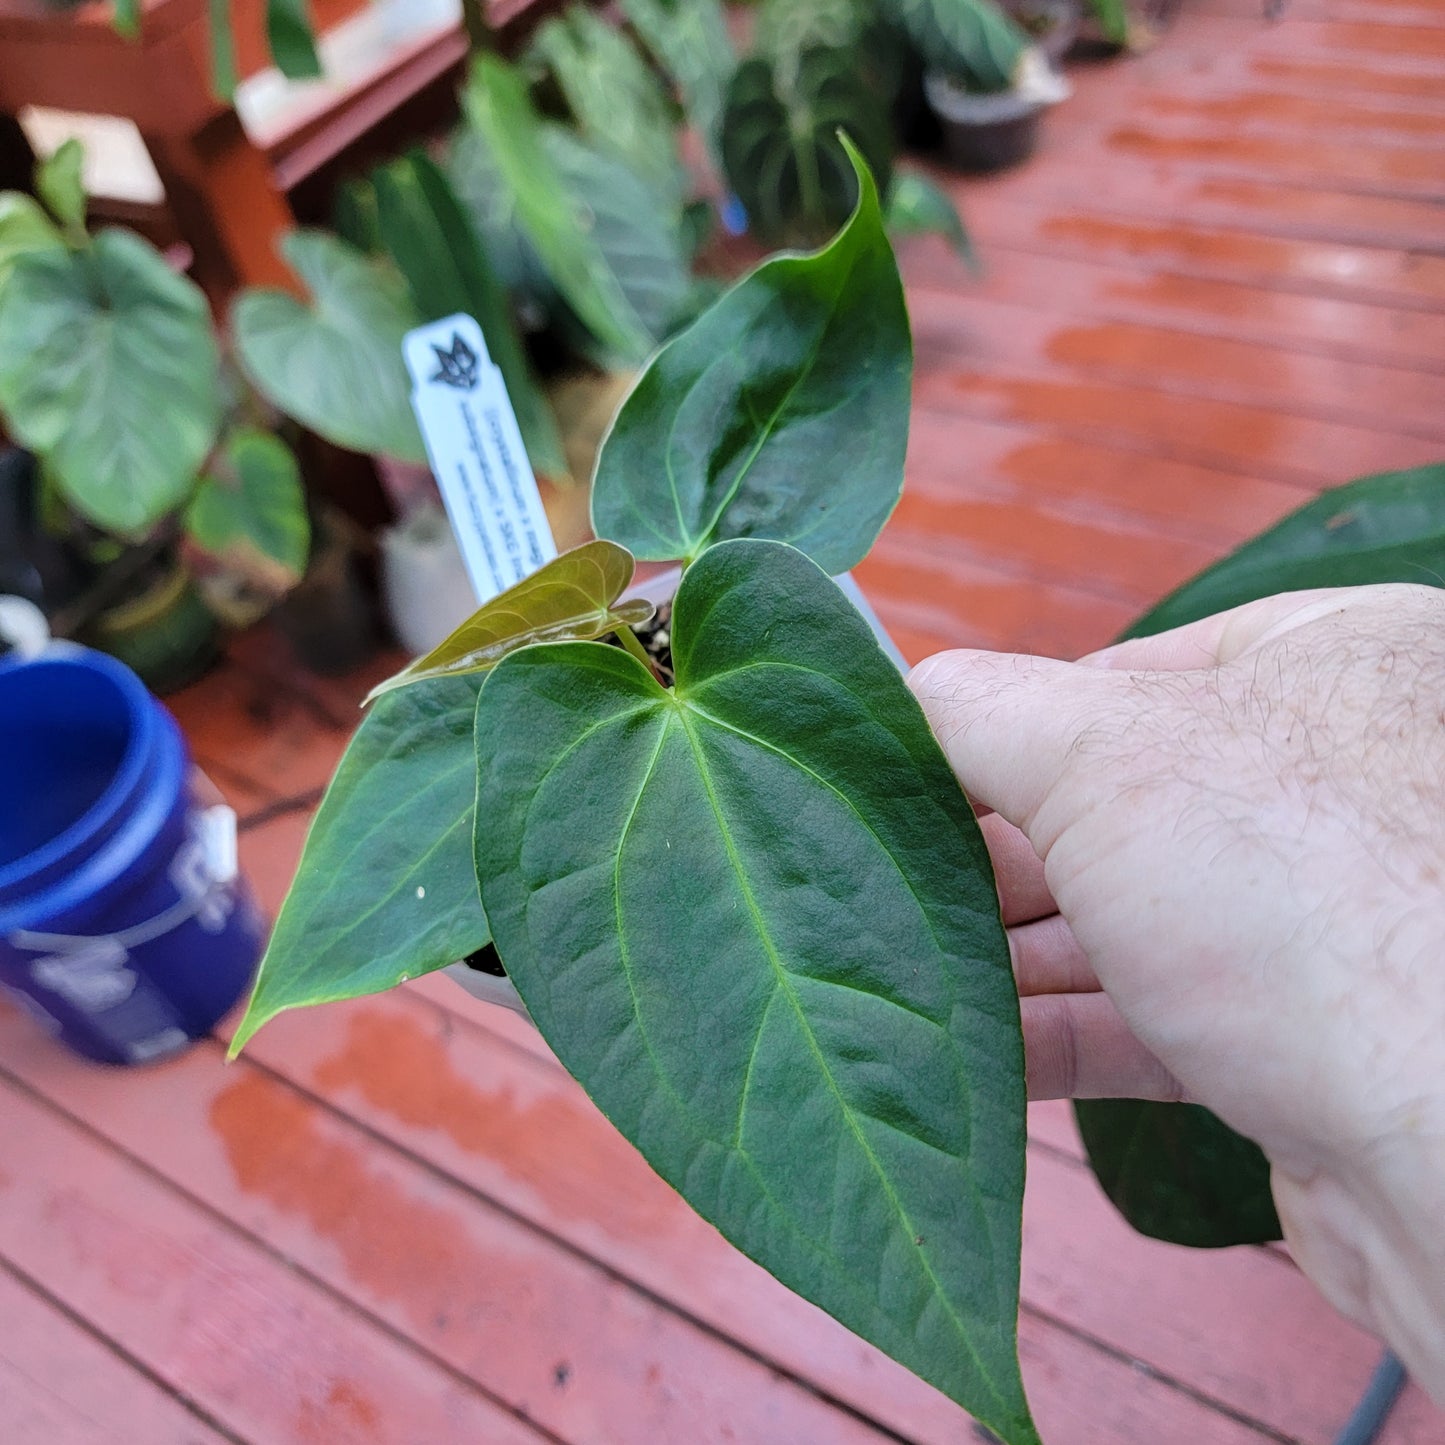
[(742, 897)]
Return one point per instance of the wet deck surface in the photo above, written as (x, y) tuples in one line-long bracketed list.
[(1218, 289)]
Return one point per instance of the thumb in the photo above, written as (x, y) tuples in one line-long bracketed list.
[(1009, 724)]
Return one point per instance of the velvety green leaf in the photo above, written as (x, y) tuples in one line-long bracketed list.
[(754, 917), (292, 38), (556, 225), (573, 598), (335, 365), (250, 511), (689, 40), (917, 206), (781, 412), (787, 28), (109, 371), (385, 890), (618, 103), (781, 147), (223, 49), (24, 227), (436, 248), (60, 183), (973, 39), (1175, 1171)]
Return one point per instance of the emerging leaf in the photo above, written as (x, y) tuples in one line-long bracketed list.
[(385, 890), (781, 412), (251, 513), (335, 365), (109, 371), (573, 598), (754, 916), (60, 183)]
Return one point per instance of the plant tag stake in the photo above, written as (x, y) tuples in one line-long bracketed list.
[(477, 456)]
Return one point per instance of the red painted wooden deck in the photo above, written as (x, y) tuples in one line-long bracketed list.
[(1218, 289)]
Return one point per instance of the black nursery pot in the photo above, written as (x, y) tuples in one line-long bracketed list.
[(984, 132)]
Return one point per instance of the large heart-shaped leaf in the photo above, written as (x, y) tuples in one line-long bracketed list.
[(109, 371), (781, 412), (385, 890), (970, 38), (251, 510), (781, 147), (573, 598), (1175, 1171), (557, 226), (755, 918), (689, 40), (437, 250), (335, 365), (24, 228), (616, 100)]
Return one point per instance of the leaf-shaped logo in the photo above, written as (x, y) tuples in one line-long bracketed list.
[(459, 366)]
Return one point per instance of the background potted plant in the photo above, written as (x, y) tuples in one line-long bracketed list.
[(154, 470)]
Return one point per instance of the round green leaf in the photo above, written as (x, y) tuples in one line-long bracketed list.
[(755, 918), (334, 365), (109, 371)]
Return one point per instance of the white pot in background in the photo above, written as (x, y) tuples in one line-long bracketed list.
[(424, 582)]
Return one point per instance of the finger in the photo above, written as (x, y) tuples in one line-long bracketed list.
[(1078, 1047), (1019, 872), (1047, 959), (1215, 641), (1008, 724)]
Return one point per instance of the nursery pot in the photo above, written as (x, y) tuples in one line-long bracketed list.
[(124, 926), (994, 130)]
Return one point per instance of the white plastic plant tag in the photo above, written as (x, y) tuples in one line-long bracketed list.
[(476, 453)]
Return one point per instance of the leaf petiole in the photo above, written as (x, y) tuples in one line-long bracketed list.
[(628, 638)]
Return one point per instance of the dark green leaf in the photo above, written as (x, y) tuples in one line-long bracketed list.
[(781, 147), (353, 215), (292, 39), (223, 49), (335, 365), (555, 224), (917, 206), (617, 102), (251, 511), (573, 598), (436, 248), (972, 39), (109, 371), (385, 890), (24, 228), (60, 183), (781, 412), (689, 40), (755, 918), (1175, 1171)]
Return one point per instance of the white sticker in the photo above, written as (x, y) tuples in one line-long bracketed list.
[(477, 456)]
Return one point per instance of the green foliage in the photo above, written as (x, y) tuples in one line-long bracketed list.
[(571, 599), (781, 142), (109, 372), (971, 40), (782, 412), (430, 237), (292, 39), (385, 890), (917, 206), (1112, 17), (24, 228), (60, 183), (784, 980), (335, 364), (689, 40), (1175, 1171), (250, 511)]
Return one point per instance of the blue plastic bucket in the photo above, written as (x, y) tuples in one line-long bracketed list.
[(124, 926)]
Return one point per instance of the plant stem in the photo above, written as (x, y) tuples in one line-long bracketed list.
[(628, 638), (479, 29)]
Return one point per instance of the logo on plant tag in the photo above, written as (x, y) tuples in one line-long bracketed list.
[(458, 365)]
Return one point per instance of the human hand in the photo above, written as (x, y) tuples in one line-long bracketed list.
[(1221, 858)]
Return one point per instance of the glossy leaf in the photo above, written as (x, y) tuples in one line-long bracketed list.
[(689, 40), (334, 365), (781, 147), (781, 412), (754, 917), (436, 248), (24, 228), (250, 511), (964, 38), (1175, 1171), (618, 104), (292, 39), (385, 890), (497, 104), (60, 183), (572, 598), (918, 206), (109, 371)]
